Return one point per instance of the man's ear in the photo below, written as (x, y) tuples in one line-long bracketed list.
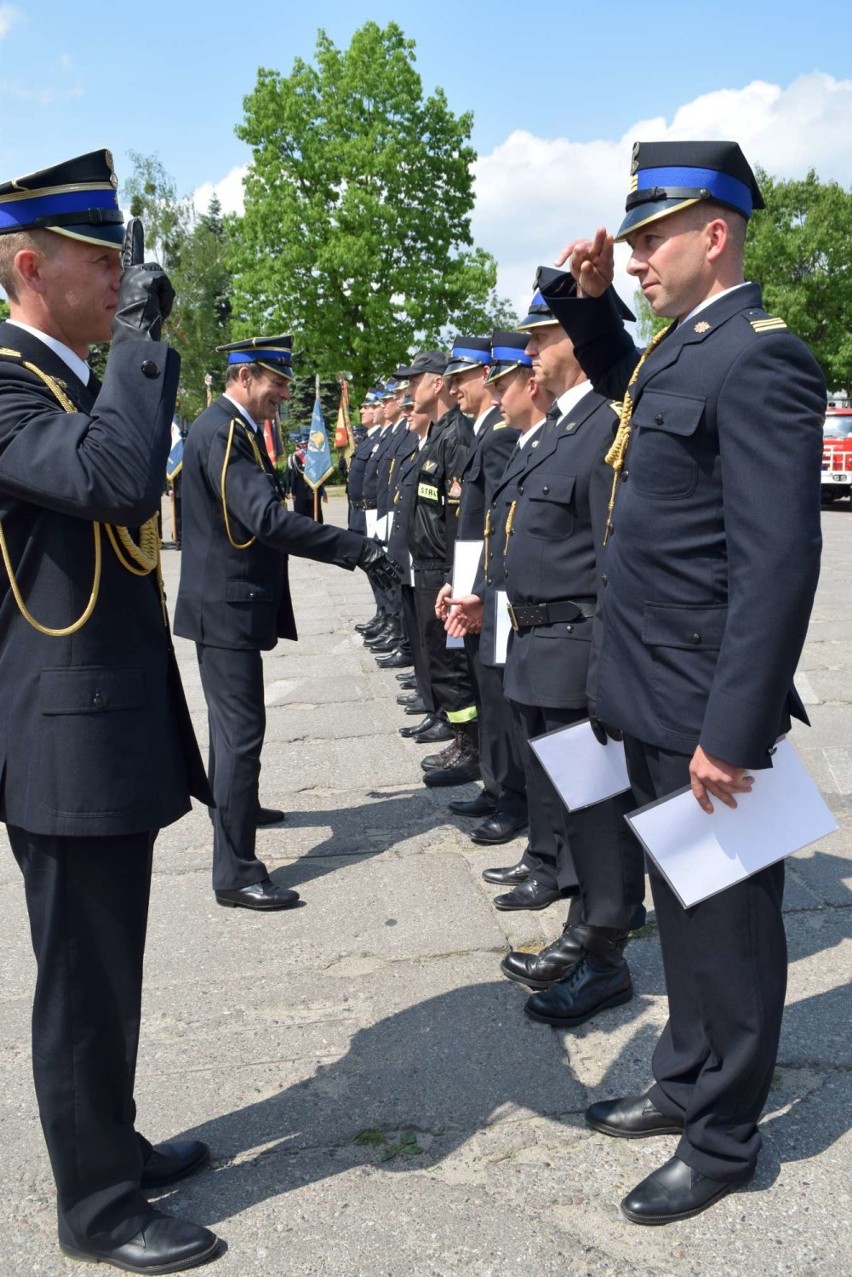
[(28, 264)]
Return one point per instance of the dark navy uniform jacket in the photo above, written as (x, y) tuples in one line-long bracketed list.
[(481, 473), (240, 598), (404, 482), (95, 736), (389, 460), (561, 489), (355, 484), (710, 572)]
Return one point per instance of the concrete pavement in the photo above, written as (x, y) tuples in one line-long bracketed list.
[(376, 1102)]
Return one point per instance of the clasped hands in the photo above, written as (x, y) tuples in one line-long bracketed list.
[(460, 616)]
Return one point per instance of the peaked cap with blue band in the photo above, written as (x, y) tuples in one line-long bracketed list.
[(507, 353), (561, 283), (275, 354), (467, 353), (667, 176), (77, 198), (539, 314)]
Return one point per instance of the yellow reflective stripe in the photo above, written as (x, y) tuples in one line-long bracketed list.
[(462, 715)]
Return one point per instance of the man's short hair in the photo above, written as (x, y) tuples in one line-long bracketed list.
[(37, 241), (233, 371)]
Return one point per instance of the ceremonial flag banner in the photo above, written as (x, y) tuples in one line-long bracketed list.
[(318, 463), (272, 439), (343, 437)]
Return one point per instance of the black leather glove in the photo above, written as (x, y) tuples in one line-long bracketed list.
[(381, 569), (603, 732), (145, 294)]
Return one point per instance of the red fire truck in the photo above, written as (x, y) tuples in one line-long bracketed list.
[(837, 454)]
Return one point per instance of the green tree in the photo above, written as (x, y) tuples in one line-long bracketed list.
[(356, 234), (4, 309), (798, 250), (150, 193), (647, 323)]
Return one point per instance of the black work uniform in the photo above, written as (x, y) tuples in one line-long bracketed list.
[(234, 601), (431, 537), (97, 750), (706, 598)]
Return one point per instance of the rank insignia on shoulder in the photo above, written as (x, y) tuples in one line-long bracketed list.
[(616, 406), (702, 326), (455, 490), (501, 425), (771, 324), (534, 443), (430, 466)]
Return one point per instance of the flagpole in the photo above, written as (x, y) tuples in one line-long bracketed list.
[(316, 490)]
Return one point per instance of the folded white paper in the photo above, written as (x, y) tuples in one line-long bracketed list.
[(372, 519), (502, 627), (701, 854), (583, 771), (465, 563)]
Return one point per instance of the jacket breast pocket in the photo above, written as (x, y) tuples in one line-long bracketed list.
[(93, 749), (662, 460), (684, 644), (549, 506)]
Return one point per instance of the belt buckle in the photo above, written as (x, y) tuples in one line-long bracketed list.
[(513, 618)]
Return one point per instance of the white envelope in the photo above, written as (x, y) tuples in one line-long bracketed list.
[(701, 854)]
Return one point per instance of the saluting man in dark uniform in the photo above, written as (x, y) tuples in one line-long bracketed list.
[(234, 598), (96, 747), (705, 604)]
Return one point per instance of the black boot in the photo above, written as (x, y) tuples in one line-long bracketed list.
[(441, 759), (386, 640), (601, 979), (464, 766), (541, 970)]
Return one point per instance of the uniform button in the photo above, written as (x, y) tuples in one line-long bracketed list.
[(520, 491), (624, 475), (149, 368), (546, 488), (659, 419), (603, 578), (98, 698), (570, 629), (695, 638)]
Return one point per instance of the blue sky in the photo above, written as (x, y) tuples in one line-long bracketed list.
[(558, 91)]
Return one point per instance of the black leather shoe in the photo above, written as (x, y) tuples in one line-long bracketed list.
[(407, 681), (385, 641), (438, 730), (541, 970), (371, 636), (414, 729), (409, 698), (484, 804), (170, 1162), (528, 894), (398, 659), (269, 816), (162, 1245), (631, 1118), (415, 707), (508, 876), (363, 626), (676, 1191), (594, 984), (260, 895), (441, 758), (498, 828)]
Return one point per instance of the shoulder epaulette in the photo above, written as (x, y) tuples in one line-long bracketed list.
[(501, 425), (769, 324)]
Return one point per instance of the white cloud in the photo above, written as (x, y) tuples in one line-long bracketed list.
[(9, 15), (229, 190), (533, 194)]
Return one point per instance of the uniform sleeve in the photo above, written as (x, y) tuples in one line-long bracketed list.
[(770, 415), (253, 502), (108, 466), (602, 344)]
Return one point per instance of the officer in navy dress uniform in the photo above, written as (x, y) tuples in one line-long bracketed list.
[(705, 606), (97, 751), (234, 598), (392, 650), (503, 800), (357, 521)]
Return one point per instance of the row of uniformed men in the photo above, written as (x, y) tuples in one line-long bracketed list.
[(496, 453)]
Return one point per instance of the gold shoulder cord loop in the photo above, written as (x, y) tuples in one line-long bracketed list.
[(244, 545), (486, 538), (509, 522), (618, 451), (146, 555)]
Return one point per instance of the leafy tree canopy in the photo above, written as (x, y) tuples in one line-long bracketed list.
[(356, 234)]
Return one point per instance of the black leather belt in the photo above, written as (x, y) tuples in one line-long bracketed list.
[(363, 505), (528, 615)]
